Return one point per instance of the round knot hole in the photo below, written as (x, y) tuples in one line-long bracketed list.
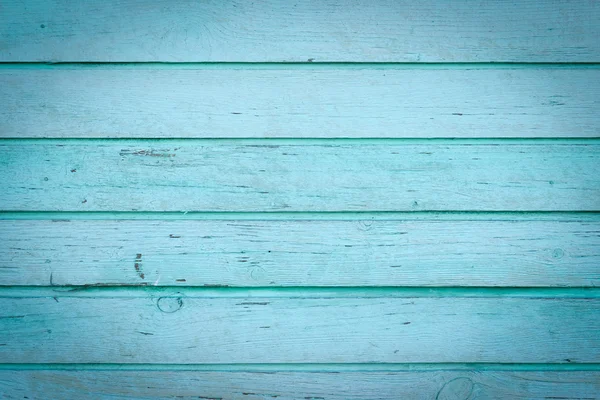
[(169, 305)]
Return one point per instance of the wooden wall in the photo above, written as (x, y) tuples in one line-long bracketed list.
[(300, 200)]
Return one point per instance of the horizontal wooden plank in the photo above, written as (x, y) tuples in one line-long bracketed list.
[(444, 384), (419, 103), (194, 176), (300, 253), (182, 329), (307, 31)]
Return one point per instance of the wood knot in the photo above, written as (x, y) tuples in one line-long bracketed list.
[(365, 225), (169, 305), (558, 253), (456, 389)]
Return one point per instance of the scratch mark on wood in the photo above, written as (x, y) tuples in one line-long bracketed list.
[(459, 388), (151, 153)]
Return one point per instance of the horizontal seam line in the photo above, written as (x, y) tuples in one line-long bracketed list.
[(304, 367), (63, 216), (309, 63), (317, 140), (308, 292)]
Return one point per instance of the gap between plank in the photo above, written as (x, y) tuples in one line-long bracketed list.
[(308, 367), (269, 142), (298, 65), (66, 216), (109, 290)]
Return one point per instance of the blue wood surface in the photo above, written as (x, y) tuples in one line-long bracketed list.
[(306, 31), (300, 101), (316, 200), (136, 175), (513, 250)]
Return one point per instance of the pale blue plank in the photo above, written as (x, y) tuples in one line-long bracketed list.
[(306, 31), (317, 103), (255, 253), (198, 176)]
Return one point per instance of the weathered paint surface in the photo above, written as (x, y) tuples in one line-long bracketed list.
[(220, 176), (306, 31), (313, 101), (190, 328), (444, 384), (182, 176), (255, 253)]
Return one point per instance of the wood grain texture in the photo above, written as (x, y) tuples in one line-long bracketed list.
[(307, 31), (154, 103), (192, 176), (184, 329), (300, 253), (442, 385)]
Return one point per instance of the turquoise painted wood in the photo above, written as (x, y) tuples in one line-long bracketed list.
[(317, 200), (165, 384), (306, 31), (271, 176), (255, 253), (190, 328), (288, 100)]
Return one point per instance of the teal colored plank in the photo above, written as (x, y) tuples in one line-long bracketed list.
[(308, 31), (170, 329), (255, 253), (167, 384), (317, 103), (190, 176)]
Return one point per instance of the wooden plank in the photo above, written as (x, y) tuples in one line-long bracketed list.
[(183, 329), (307, 31), (200, 176), (336, 102), (443, 384), (300, 253)]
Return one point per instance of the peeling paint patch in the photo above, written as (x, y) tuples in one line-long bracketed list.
[(138, 265)]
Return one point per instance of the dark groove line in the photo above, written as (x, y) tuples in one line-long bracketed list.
[(308, 367), (274, 141), (64, 216), (294, 65), (108, 290)]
